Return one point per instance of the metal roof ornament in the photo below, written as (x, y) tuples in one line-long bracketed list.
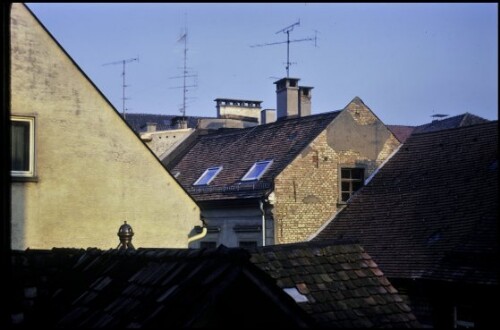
[(125, 234)]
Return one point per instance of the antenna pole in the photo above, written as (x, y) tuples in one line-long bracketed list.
[(124, 85), (287, 30)]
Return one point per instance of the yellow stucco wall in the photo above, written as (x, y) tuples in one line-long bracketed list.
[(93, 171)]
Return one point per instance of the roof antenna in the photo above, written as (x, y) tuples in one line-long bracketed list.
[(287, 30), (185, 73), (123, 62)]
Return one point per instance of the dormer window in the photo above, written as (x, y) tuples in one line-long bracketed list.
[(207, 176), (257, 170)]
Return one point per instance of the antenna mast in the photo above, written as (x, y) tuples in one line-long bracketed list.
[(287, 30), (123, 62), (185, 74)]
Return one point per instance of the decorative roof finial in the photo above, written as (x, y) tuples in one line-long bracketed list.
[(125, 233)]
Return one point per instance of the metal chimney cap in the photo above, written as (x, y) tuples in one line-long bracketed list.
[(125, 230)]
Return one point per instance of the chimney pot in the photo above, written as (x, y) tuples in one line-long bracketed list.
[(125, 234)]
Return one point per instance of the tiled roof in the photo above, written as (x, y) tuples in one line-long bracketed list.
[(237, 150), (462, 120), (343, 285), (152, 288), (432, 211), (138, 121), (401, 132)]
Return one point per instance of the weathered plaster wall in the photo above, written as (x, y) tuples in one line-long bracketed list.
[(93, 171)]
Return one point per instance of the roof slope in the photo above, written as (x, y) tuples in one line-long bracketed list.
[(152, 288), (138, 121), (432, 211), (462, 120), (343, 285), (237, 150), (401, 132)]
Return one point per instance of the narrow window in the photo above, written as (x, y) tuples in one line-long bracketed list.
[(351, 180), (247, 244), (208, 176), (257, 170), (22, 146)]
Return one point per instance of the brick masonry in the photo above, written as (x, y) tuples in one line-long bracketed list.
[(307, 191)]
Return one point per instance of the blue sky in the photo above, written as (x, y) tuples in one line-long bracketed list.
[(405, 61)]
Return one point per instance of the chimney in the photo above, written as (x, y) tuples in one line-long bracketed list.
[(125, 234), (267, 116), (236, 108), (305, 101), (287, 97), (150, 127)]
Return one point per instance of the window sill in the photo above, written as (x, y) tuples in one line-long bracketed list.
[(23, 178)]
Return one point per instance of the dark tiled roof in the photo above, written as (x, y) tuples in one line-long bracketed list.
[(152, 288), (344, 286), (401, 132), (462, 120), (432, 211), (237, 150), (138, 121)]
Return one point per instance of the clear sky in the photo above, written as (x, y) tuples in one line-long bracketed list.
[(405, 61)]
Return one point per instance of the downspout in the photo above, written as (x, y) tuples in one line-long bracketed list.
[(203, 233), (261, 204)]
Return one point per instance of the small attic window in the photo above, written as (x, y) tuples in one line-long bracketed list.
[(296, 295), (207, 176), (257, 170)]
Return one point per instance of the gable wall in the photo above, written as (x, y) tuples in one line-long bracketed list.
[(307, 191), (93, 171)]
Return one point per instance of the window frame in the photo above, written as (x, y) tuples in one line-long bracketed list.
[(350, 180), (218, 169), (30, 173), (257, 178)]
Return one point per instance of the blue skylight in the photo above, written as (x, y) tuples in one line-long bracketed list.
[(207, 176), (257, 170)]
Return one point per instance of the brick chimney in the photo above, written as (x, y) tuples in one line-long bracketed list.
[(292, 100), (267, 116)]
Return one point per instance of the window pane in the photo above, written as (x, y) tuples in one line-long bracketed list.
[(345, 173), (207, 176), (357, 173), (247, 244), (257, 170), (345, 197), (20, 146), (356, 185), (345, 186)]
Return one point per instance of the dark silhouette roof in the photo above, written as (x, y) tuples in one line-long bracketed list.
[(462, 120), (432, 211), (151, 288), (343, 285), (237, 150), (138, 121), (401, 132)]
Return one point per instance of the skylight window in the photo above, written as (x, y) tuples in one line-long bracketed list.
[(257, 170), (296, 295), (207, 176)]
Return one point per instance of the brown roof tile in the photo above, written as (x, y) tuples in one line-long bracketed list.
[(280, 141), (342, 298), (432, 210)]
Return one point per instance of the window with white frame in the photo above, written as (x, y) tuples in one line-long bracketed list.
[(257, 170), (207, 176), (351, 179), (22, 146)]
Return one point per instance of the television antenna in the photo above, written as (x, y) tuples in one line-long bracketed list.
[(287, 30), (185, 74), (124, 85)]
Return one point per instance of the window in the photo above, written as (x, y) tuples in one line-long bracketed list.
[(22, 146), (208, 176), (247, 244), (208, 245), (351, 180), (257, 170)]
